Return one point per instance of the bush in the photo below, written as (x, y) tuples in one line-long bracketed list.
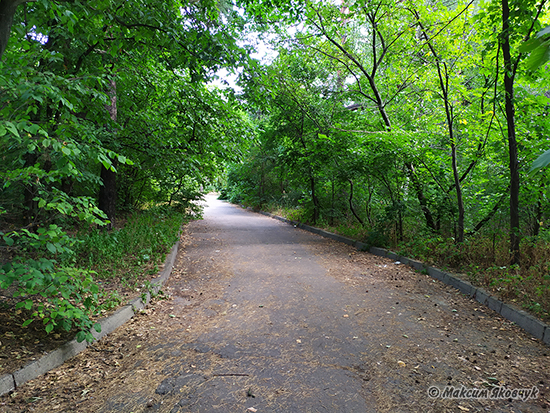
[(58, 294)]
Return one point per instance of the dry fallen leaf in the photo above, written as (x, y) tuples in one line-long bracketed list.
[(401, 363), (464, 409), (252, 409)]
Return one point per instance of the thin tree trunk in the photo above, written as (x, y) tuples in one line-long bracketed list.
[(490, 215), (420, 196), (107, 195), (107, 192), (368, 208), (538, 212), (443, 76), (30, 193), (512, 142), (377, 98), (351, 203), (332, 203)]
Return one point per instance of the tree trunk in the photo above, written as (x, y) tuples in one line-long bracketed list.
[(107, 195), (538, 211), (332, 209), (512, 142), (107, 192), (490, 215), (316, 209), (368, 207), (420, 196), (351, 203), (443, 76), (7, 11), (31, 192)]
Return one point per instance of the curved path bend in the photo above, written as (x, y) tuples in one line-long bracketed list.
[(265, 317)]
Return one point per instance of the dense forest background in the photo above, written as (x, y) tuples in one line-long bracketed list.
[(412, 125)]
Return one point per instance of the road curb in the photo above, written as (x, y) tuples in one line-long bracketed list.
[(527, 322), (10, 381)]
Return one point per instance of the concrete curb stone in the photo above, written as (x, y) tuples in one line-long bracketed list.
[(530, 324), (521, 318), (439, 275), (48, 362), (381, 252), (546, 337), (463, 286), (9, 382), (417, 265), (486, 299)]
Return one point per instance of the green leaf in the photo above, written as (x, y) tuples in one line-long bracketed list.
[(11, 127), (8, 240), (49, 328), (32, 128), (80, 336), (51, 248), (97, 327), (3, 130), (538, 56), (66, 150), (529, 45), (544, 31), (542, 161), (27, 322)]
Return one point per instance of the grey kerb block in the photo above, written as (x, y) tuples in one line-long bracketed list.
[(48, 362), (438, 274), (7, 383), (524, 320), (463, 286), (546, 337), (381, 252)]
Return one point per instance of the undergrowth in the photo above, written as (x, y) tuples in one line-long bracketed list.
[(58, 278), (133, 250)]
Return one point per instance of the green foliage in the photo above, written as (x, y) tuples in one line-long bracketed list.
[(539, 49), (388, 123), (364, 122), (145, 238), (59, 295)]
